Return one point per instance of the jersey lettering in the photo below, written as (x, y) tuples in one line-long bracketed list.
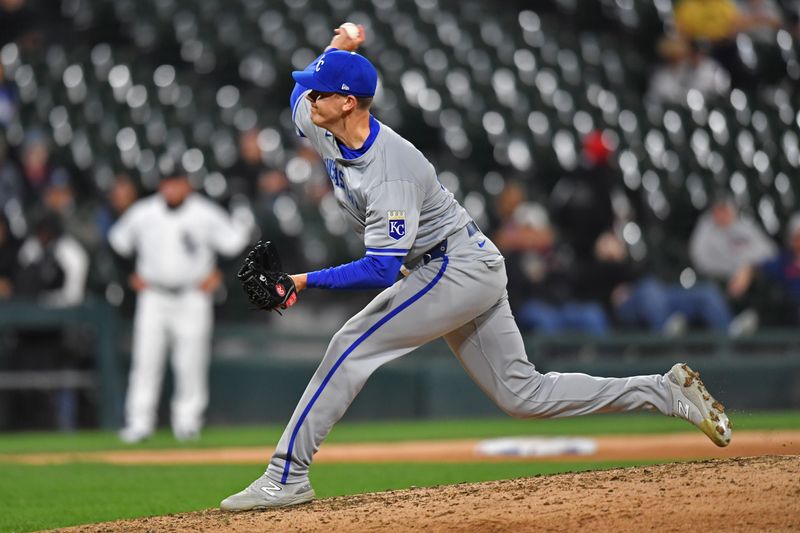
[(334, 173), (337, 178), (189, 244)]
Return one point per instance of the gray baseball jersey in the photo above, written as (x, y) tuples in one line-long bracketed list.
[(391, 193), (459, 295)]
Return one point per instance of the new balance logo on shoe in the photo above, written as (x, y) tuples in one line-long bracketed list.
[(264, 493), (683, 409), (271, 489), (695, 404)]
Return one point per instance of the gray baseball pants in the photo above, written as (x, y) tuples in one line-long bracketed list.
[(461, 297)]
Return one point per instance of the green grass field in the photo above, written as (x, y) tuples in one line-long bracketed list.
[(40, 497)]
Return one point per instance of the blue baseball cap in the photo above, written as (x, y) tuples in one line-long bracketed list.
[(339, 71)]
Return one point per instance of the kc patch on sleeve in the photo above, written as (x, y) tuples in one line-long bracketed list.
[(397, 224)]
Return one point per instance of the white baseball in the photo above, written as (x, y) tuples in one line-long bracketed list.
[(350, 29)]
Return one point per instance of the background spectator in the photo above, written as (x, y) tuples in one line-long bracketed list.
[(17, 18), (277, 212), (244, 174), (687, 68), (77, 218), (783, 271), (582, 202), (637, 298), (9, 247), (540, 289), (724, 240), (707, 20), (122, 194), (52, 271), (11, 187), (109, 270), (53, 264), (760, 19), (715, 25), (8, 99), (36, 165)]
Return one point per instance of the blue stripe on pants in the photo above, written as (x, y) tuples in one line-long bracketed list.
[(347, 352)]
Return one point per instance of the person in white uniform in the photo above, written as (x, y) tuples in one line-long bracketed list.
[(175, 236)]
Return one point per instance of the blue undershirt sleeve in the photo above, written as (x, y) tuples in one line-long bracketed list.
[(369, 272)]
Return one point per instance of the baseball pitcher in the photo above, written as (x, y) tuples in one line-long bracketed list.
[(455, 288)]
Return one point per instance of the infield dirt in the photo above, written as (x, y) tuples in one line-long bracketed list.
[(609, 448), (737, 494)]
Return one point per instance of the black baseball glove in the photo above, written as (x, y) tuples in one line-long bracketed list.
[(262, 277)]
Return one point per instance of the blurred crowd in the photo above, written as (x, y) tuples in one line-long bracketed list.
[(570, 264), (571, 269), (567, 237)]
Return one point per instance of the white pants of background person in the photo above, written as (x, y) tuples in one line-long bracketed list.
[(178, 323)]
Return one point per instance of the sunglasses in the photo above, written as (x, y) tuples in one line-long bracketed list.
[(316, 96)]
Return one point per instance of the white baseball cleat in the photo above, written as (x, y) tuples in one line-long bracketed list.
[(130, 435), (186, 435), (692, 401), (264, 493)]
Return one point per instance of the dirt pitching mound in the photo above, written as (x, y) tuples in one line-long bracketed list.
[(740, 494)]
